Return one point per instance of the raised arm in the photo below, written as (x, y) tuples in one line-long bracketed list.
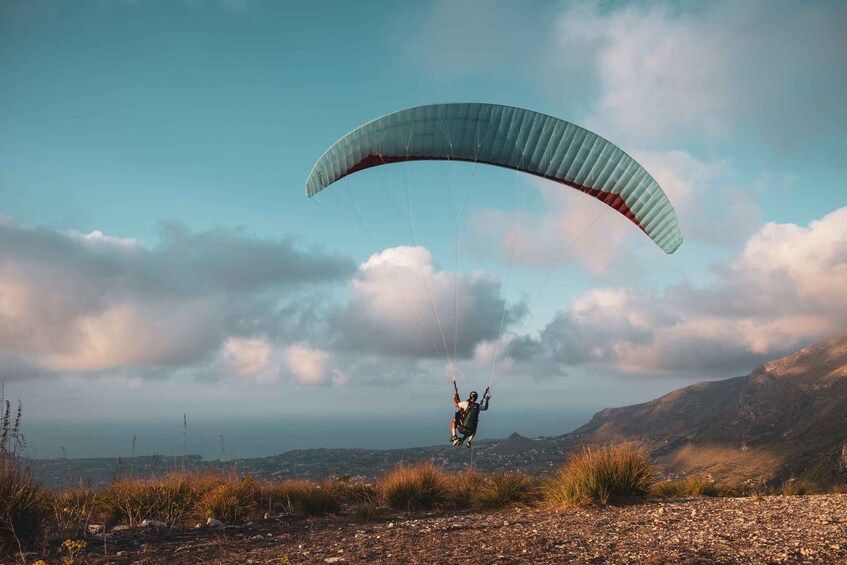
[(485, 402)]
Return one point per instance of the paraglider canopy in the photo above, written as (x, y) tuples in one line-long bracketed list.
[(509, 137)]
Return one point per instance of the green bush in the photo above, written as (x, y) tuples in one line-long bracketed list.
[(601, 474)]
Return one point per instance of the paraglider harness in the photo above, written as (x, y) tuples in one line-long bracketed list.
[(468, 419)]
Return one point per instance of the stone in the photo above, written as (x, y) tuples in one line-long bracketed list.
[(152, 524)]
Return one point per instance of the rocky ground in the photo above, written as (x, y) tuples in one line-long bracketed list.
[(773, 529)]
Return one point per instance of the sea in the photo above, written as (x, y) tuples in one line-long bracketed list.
[(229, 438)]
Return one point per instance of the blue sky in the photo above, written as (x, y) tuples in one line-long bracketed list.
[(159, 255)]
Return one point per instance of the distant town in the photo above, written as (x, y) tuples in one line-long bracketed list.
[(539, 455)]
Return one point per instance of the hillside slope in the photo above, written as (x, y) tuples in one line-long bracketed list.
[(788, 418)]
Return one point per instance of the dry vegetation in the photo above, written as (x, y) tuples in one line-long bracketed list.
[(22, 500), (602, 474), (183, 500), (34, 517)]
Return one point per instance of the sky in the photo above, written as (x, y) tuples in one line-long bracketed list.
[(158, 255)]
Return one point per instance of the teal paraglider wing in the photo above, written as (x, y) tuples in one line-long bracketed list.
[(509, 137)]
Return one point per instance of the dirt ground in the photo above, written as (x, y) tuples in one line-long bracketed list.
[(776, 529)]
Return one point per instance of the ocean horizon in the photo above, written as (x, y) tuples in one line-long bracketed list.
[(229, 438)]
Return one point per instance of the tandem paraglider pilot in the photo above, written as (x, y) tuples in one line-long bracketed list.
[(467, 417)]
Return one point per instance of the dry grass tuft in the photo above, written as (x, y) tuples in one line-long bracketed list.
[(24, 506), (309, 497), (320, 499), (73, 508), (364, 501), (172, 498), (696, 486), (416, 487), (503, 489), (279, 498), (601, 474), (229, 501), (796, 488), (464, 487)]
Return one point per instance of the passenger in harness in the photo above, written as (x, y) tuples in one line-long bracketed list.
[(467, 417)]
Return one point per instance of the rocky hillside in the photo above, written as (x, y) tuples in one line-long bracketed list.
[(788, 418), (766, 530)]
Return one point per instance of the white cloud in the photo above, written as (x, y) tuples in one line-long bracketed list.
[(574, 227), (97, 239), (91, 302), (247, 356), (402, 304), (126, 334), (784, 290), (650, 75), (582, 230), (664, 72), (312, 366)]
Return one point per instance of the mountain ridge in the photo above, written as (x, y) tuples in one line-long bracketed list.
[(786, 419)]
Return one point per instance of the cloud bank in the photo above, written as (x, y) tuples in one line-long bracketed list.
[(72, 302), (658, 74), (81, 304), (783, 291)]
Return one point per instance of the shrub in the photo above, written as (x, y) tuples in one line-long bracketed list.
[(364, 500), (796, 488), (691, 486), (307, 496), (172, 498), (368, 510), (697, 486), (601, 474), (671, 488), (506, 488), (24, 507), (178, 495), (72, 510), (129, 500), (464, 487), (354, 493), (700, 486), (320, 499), (281, 497), (416, 487), (229, 501)]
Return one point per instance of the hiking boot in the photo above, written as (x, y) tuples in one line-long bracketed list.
[(454, 440), (468, 445)]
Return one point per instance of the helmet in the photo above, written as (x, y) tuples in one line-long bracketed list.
[(473, 396)]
